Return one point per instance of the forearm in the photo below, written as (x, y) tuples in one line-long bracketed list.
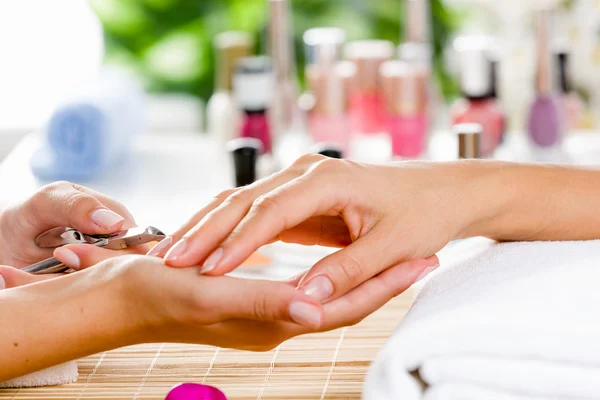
[(534, 202), (62, 319)]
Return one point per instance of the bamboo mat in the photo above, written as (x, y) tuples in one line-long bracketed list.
[(329, 365)]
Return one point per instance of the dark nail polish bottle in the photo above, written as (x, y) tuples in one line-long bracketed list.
[(245, 153)]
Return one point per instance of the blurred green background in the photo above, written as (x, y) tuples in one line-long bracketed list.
[(169, 42)]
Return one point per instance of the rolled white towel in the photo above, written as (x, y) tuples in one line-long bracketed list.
[(520, 321)]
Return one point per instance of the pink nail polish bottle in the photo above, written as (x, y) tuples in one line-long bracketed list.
[(253, 85), (366, 103), (328, 119), (405, 89), (572, 103), (478, 104)]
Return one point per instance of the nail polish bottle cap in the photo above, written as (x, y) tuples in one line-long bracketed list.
[(475, 66), (404, 87), (469, 139), (230, 46), (561, 52), (417, 21), (245, 152), (544, 70), (368, 55), (328, 149), (415, 53), (253, 83), (323, 36)]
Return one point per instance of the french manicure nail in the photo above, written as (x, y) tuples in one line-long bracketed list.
[(212, 260), (425, 272), (177, 250), (305, 314), (160, 247), (2, 282), (68, 257), (319, 288), (106, 218)]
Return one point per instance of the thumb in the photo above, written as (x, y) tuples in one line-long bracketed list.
[(11, 277), (261, 300), (62, 204), (81, 256)]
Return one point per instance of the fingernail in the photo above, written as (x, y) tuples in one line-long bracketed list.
[(319, 287), (68, 257), (106, 218), (177, 250), (2, 282), (160, 247), (425, 272), (305, 314), (212, 260)]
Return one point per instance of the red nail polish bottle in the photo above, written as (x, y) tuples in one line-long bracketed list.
[(478, 104), (253, 85)]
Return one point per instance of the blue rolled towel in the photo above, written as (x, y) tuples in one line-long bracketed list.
[(93, 130)]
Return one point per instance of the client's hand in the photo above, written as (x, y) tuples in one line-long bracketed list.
[(180, 304), (58, 204), (381, 215)]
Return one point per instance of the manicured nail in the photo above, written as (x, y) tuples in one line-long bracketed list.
[(305, 314), (425, 272), (160, 247), (68, 257), (2, 282), (319, 287), (106, 218), (212, 260), (177, 250)]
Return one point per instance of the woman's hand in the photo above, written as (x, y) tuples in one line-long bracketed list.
[(382, 216), (56, 205)]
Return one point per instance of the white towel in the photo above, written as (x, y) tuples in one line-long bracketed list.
[(519, 321), (58, 375)]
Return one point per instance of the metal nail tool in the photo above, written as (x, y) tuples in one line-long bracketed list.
[(115, 241)]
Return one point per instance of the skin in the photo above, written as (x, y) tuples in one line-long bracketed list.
[(130, 299)]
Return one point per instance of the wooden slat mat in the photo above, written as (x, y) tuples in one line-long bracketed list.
[(329, 365)]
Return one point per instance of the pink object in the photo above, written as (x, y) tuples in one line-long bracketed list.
[(405, 88), (256, 125), (195, 391), (367, 112), (407, 134), (330, 128), (488, 114)]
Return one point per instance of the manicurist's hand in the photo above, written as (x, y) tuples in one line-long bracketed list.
[(381, 217), (135, 299), (56, 205)]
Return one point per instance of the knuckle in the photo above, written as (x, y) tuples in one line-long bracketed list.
[(306, 161), (261, 306), (238, 197), (265, 203), (350, 270), (326, 165), (226, 194)]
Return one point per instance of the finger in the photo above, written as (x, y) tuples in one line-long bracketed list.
[(271, 214), (330, 231), (62, 204), (112, 204), (342, 271), (375, 293), (12, 277), (81, 256), (164, 245), (259, 300), (219, 222)]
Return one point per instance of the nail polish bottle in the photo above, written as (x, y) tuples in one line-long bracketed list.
[(405, 90), (469, 139), (573, 106), (494, 58), (222, 113), (253, 83), (545, 123), (478, 104), (366, 103), (245, 153), (327, 80), (284, 114), (332, 150)]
